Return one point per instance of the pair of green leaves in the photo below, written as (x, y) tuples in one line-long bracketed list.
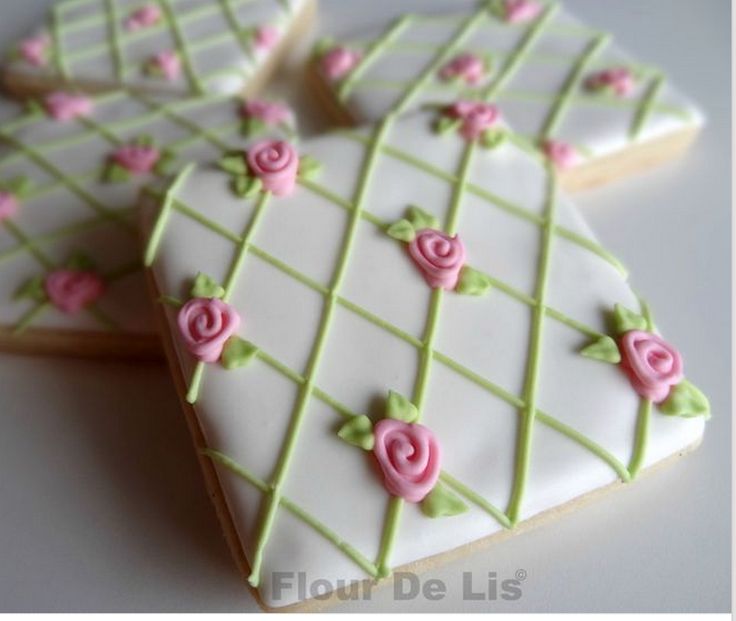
[(19, 186), (605, 348), (416, 220), (237, 352)]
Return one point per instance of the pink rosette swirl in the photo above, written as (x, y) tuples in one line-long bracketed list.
[(619, 79), (276, 164), (338, 62), (465, 66), (561, 154), (168, 64), (143, 17), (652, 364), (270, 112), (520, 11), (71, 291), (476, 116), (409, 456), (266, 38), (439, 257), (137, 159), (34, 50), (205, 325), (67, 106), (8, 205)]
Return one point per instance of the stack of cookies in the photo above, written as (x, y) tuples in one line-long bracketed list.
[(416, 285)]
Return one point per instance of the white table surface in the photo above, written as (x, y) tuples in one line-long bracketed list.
[(102, 506)]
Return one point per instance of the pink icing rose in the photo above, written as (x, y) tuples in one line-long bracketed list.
[(561, 154), (519, 11), (168, 63), (477, 117), (439, 257), (276, 164), (205, 325), (8, 205), (138, 159), (409, 456), (338, 62), (271, 113), (34, 50), (73, 290), (652, 364), (466, 66), (620, 80), (145, 16), (67, 106), (266, 38)]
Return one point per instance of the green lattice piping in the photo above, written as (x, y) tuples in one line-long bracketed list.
[(174, 21), (570, 95), (332, 298)]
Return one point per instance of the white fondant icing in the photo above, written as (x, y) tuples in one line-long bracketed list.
[(245, 415)]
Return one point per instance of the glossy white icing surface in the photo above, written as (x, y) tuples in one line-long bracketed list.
[(596, 124), (71, 209), (215, 41), (246, 413)]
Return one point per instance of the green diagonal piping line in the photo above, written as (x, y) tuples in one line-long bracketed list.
[(182, 46), (282, 467), (647, 107), (295, 510), (375, 49), (526, 425)]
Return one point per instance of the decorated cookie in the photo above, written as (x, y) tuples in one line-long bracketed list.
[(70, 172), (182, 47), (395, 342), (557, 81)]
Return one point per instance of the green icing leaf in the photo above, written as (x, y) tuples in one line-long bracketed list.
[(402, 230), (687, 401), (323, 46), (493, 137), (237, 353), (81, 262), (32, 289), (358, 431), (441, 502), (625, 320), (605, 349), (309, 168), (206, 287), (19, 186), (446, 124), (247, 187), (163, 166), (115, 173), (399, 407), (145, 140), (420, 219), (32, 106), (473, 282), (252, 126), (234, 163)]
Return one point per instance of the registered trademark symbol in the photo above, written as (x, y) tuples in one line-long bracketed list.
[(521, 574)]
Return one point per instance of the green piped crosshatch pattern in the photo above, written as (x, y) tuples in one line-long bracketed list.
[(88, 32), (468, 36), (102, 204), (244, 245)]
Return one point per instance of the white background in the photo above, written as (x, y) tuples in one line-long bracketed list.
[(102, 507)]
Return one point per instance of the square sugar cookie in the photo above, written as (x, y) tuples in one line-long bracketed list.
[(401, 375), (180, 47), (598, 113), (70, 172)]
